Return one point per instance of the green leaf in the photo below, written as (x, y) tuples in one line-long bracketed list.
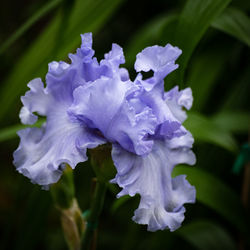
[(31, 21), (206, 235), (233, 121), (235, 23), (202, 78), (205, 130), (212, 192), (35, 60), (195, 19)]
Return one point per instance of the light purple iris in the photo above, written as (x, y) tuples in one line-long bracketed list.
[(88, 103)]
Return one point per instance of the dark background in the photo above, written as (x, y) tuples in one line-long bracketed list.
[(215, 39)]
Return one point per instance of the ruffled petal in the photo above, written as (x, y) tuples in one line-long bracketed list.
[(177, 100), (26, 116), (62, 78), (168, 125), (114, 58), (97, 103), (159, 59), (60, 81), (131, 128), (35, 100), (86, 50), (42, 150), (103, 105), (162, 197)]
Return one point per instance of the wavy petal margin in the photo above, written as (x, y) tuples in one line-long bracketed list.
[(162, 197)]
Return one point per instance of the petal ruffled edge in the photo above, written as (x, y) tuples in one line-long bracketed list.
[(177, 100), (162, 197), (34, 100), (157, 58), (42, 150)]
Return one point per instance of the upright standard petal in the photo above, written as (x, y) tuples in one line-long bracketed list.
[(177, 100), (161, 60), (103, 105), (63, 78), (114, 58), (98, 102), (162, 197), (168, 125)]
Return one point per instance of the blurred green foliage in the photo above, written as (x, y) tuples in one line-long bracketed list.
[(214, 36)]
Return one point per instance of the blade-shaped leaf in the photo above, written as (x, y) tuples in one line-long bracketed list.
[(205, 130), (233, 121), (212, 192), (31, 21), (194, 20), (235, 23), (202, 78)]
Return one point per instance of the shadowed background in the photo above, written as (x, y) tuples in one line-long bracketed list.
[(214, 36)]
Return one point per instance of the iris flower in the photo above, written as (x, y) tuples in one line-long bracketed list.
[(89, 103)]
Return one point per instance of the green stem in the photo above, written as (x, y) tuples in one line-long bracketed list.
[(39, 14), (95, 210)]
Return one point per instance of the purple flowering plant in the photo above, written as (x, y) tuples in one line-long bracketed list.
[(89, 103)]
